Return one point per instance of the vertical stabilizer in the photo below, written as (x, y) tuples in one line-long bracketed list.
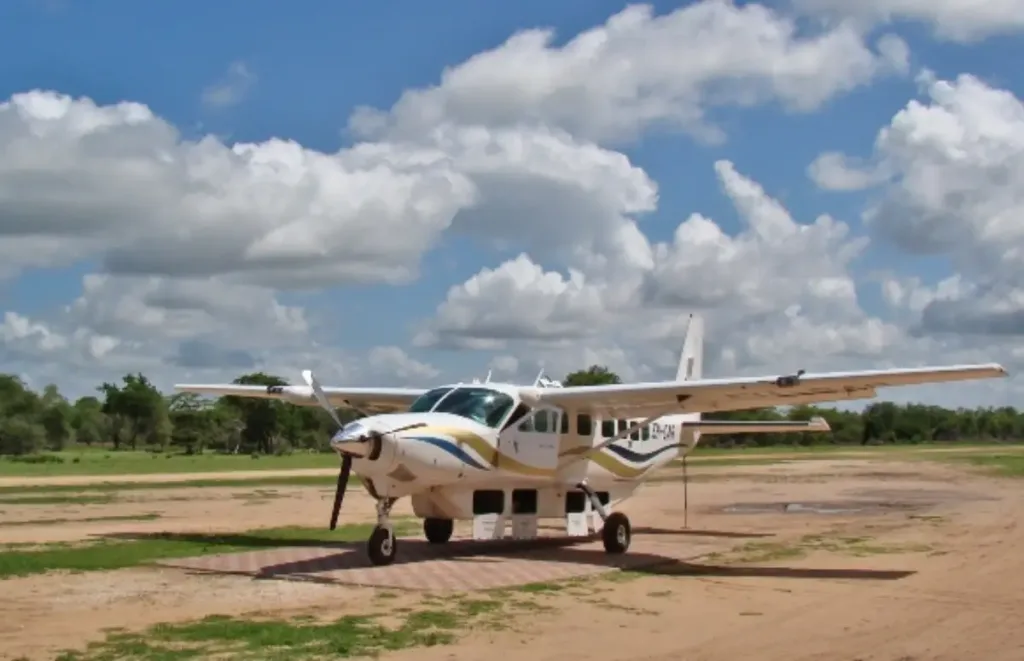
[(691, 362)]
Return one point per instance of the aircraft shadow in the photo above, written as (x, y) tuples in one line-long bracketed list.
[(344, 557)]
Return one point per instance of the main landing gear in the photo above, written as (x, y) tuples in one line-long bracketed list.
[(616, 532), (382, 545), (438, 531)]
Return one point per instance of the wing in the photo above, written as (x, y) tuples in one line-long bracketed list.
[(756, 426), (642, 400), (375, 400)]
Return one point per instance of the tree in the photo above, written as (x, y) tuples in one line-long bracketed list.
[(20, 429), (595, 375), (135, 413), (135, 409), (88, 421)]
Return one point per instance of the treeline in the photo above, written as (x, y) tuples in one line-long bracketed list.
[(135, 415)]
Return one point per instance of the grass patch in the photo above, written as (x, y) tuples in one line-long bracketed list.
[(1006, 465), (227, 638), (127, 462), (261, 639), (57, 499), (283, 481), (759, 552), (706, 451), (90, 519), (138, 549)]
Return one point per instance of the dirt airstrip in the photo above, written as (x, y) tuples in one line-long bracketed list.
[(870, 560)]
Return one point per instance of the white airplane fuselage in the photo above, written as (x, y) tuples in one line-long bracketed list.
[(444, 461)]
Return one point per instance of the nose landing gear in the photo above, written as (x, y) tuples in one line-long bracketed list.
[(382, 547)]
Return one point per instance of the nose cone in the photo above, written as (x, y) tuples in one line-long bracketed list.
[(354, 439)]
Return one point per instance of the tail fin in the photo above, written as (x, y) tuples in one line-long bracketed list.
[(691, 361)]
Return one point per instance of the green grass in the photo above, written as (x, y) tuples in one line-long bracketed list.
[(108, 462), (245, 482), (435, 620), (707, 451), (89, 519), (138, 549), (104, 461), (758, 552), (1007, 465), (227, 638), (57, 499)]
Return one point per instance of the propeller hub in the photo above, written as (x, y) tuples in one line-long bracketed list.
[(355, 440)]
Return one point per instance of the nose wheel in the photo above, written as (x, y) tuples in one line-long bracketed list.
[(382, 547)]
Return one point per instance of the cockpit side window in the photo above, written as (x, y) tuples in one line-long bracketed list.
[(426, 401), (517, 415)]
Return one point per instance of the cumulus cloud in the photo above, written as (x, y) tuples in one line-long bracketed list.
[(777, 288), (955, 20), (639, 69), (956, 189), (202, 244)]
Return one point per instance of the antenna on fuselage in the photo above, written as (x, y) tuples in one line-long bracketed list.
[(536, 382), (488, 379)]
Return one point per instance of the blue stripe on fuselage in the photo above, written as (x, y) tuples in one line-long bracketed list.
[(640, 458), (450, 448)]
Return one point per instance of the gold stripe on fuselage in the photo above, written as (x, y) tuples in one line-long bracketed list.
[(490, 454), (500, 460)]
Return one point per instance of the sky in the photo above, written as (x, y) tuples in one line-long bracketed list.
[(407, 193)]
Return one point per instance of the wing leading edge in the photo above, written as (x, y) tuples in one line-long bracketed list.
[(377, 400), (640, 400)]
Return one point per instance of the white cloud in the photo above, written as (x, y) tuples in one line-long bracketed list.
[(834, 171), (613, 81), (956, 189), (198, 239), (777, 276), (396, 363), (955, 20), (231, 88)]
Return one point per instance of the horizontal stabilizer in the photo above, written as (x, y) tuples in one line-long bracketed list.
[(756, 426)]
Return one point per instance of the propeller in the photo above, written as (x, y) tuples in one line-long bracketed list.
[(346, 457)]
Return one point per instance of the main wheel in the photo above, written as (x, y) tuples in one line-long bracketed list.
[(438, 531), (382, 546), (616, 533)]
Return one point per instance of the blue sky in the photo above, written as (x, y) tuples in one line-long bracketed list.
[(313, 63)]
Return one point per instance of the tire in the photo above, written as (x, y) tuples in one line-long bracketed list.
[(616, 533), (438, 531), (382, 546)]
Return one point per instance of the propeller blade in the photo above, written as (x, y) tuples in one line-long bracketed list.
[(321, 398), (339, 494)]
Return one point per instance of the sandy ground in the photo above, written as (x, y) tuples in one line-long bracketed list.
[(956, 535)]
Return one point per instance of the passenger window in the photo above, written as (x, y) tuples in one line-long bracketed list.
[(645, 432), (607, 428), (540, 421), (623, 425), (584, 425), (564, 429), (635, 435)]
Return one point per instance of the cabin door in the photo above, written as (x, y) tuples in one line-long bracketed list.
[(530, 448)]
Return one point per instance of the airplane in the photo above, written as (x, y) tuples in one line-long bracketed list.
[(495, 453)]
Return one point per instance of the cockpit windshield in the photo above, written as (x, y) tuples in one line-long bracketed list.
[(484, 405), (426, 401)]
